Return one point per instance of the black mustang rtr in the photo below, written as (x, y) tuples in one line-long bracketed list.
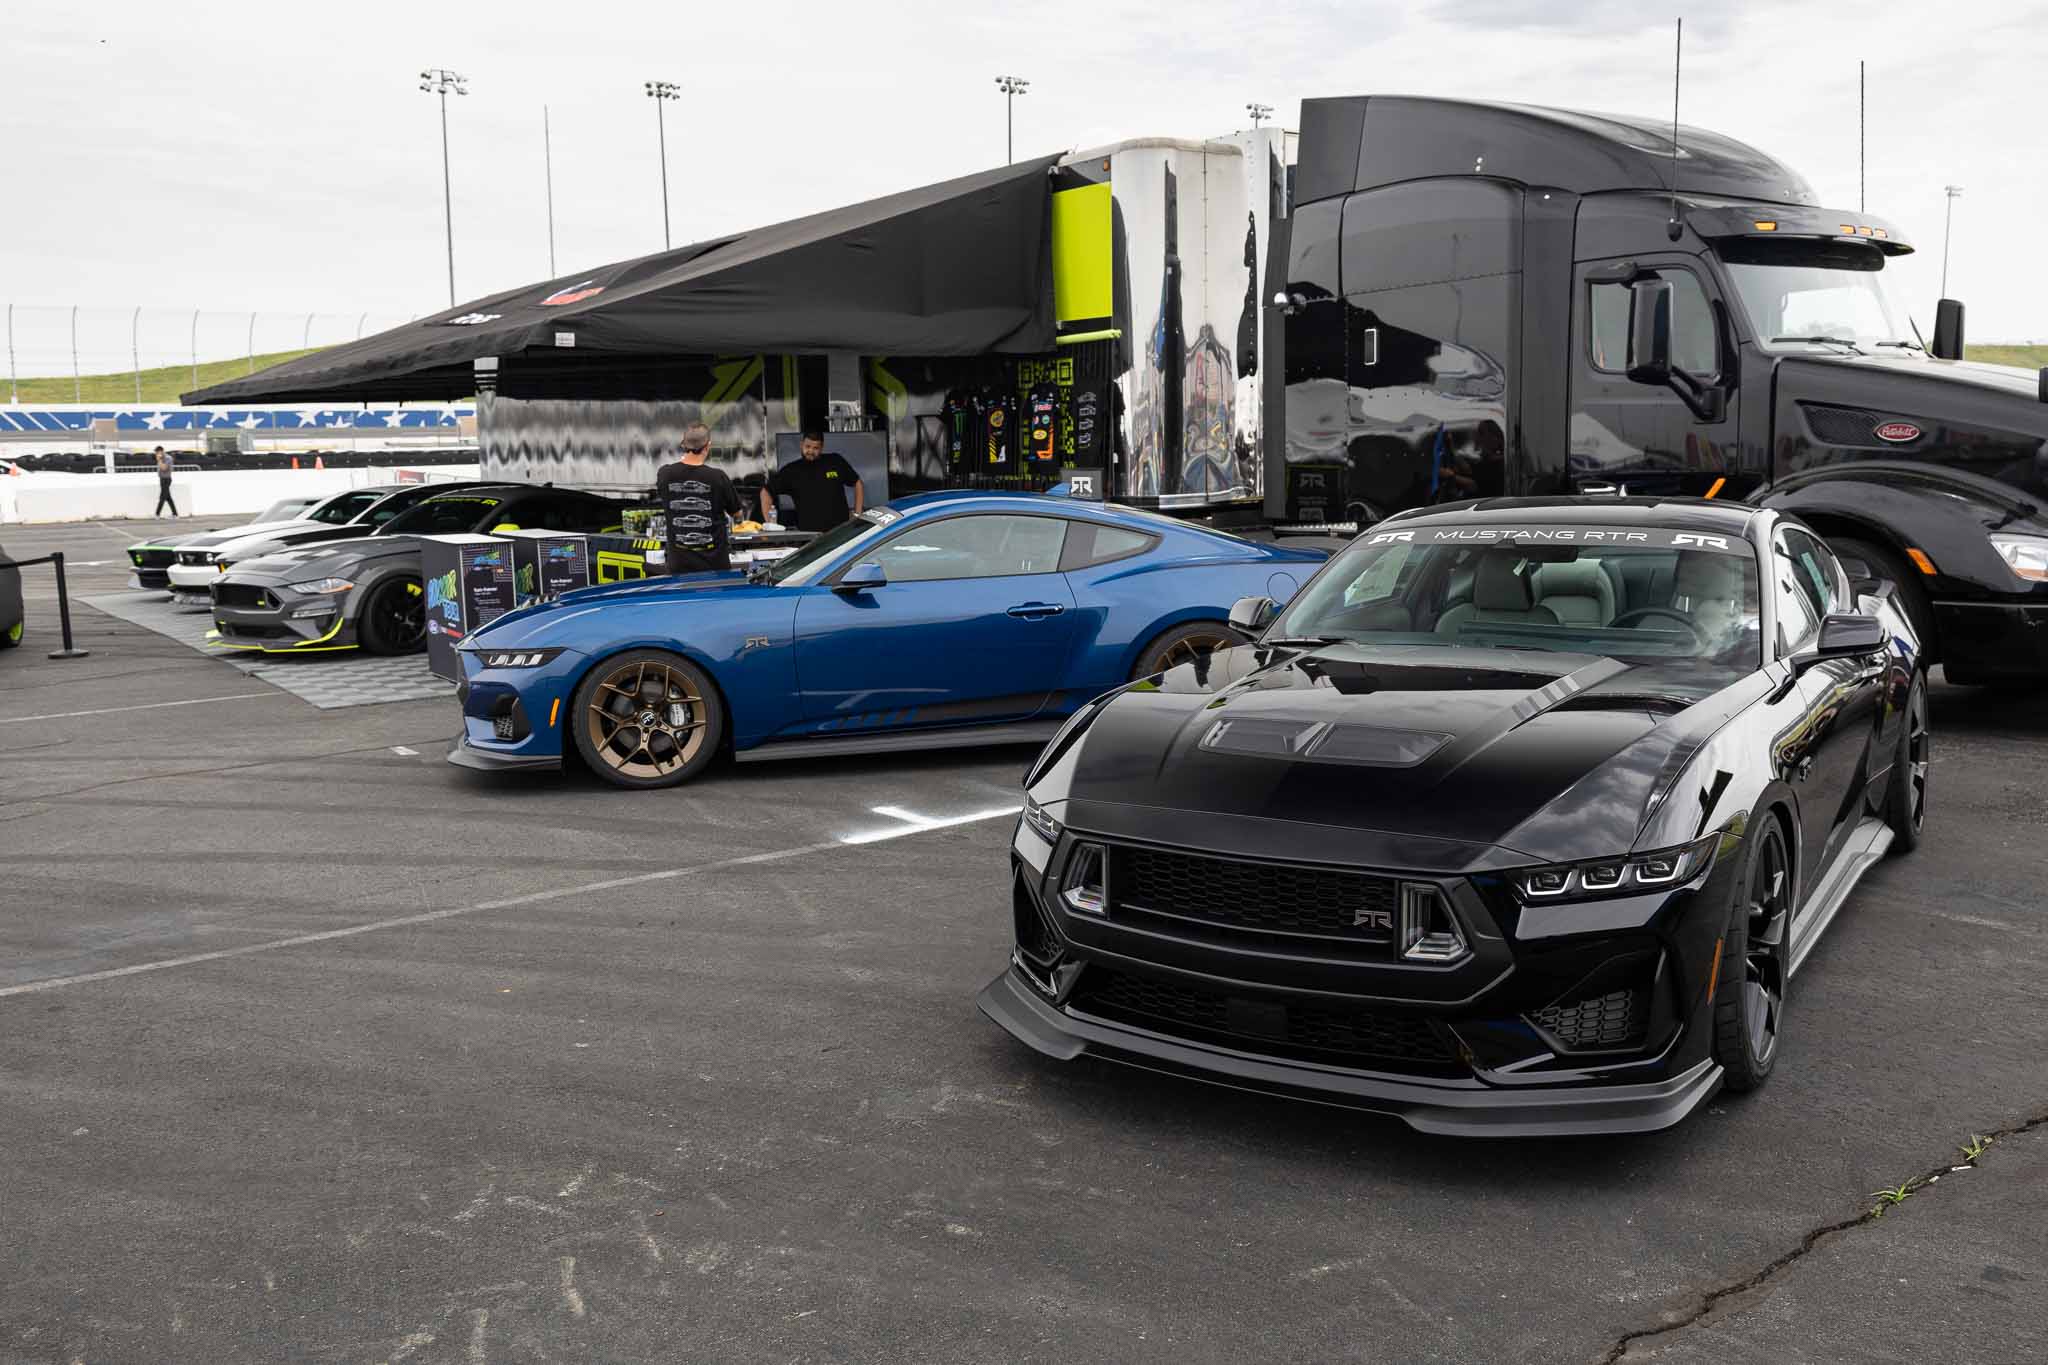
[(1519, 819)]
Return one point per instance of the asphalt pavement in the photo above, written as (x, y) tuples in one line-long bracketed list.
[(313, 1047)]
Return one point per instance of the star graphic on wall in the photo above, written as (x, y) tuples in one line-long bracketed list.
[(155, 421)]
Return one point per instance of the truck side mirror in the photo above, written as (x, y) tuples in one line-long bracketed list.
[(1948, 330), (1649, 332), (2041, 388)]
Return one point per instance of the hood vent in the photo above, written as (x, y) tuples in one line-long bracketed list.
[(1323, 742)]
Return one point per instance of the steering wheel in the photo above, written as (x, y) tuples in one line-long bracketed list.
[(1629, 618)]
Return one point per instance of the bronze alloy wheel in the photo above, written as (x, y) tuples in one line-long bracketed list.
[(645, 719), (1186, 644)]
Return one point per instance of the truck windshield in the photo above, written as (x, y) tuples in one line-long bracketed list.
[(1808, 295), (1631, 594)]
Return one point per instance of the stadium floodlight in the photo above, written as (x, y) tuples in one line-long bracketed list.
[(1011, 86), (661, 92), (442, 82), (1259, 112)]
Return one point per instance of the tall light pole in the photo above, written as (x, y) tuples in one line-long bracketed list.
[(135, 349), (547, 156), (194, 339), (1259, 112), (439, 81), (1011, 86), (661, 92), (1947, 219)]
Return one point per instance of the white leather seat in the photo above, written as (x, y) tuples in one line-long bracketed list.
[(1579, 592), (1500, 596)]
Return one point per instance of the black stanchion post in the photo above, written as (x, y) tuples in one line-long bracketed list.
[(64, 613)]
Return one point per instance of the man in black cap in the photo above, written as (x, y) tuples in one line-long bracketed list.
[(697, 500), (819, 484), (163, 485)]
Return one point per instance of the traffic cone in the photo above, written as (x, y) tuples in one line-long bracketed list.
[(319, 462), (295, 462)]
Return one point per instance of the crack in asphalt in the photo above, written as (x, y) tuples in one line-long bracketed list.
[(1813, 1238)]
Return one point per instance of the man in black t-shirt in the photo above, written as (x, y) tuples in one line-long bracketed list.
[(819, 484), (697, 500)]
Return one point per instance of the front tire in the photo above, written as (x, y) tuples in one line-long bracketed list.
[(1755, 963), (11, 636), (1184, 644), (394, 618), (1905, 801), (647, 718)]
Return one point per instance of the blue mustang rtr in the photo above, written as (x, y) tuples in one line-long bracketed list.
[(941, 620)]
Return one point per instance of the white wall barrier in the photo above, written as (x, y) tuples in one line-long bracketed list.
[(44, 497)]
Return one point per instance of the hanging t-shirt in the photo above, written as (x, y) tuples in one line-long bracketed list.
[(696, 499), (1042, 430), (999, 438), (962, 411)]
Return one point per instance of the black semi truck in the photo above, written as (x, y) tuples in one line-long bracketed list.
[(1479, 299)]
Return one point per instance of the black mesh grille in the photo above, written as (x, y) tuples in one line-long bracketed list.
[(1328, 1033), (153, 559), (1844, 426), (1615, 1019), (1263, 897), (240, 595)]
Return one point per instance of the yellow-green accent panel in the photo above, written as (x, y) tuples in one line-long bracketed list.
[(1081, 281)]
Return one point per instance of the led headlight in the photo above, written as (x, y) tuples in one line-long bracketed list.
[(324, 585), (518, 658), (2026, 556), (1041, 823), (1618, 876)]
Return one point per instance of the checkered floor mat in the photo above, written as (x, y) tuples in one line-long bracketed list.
[(324, 680)]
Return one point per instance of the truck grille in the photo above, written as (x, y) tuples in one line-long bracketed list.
[(1313, 1032), (1270, 898), (1616, 1019), (1837, 426), (240, 595)]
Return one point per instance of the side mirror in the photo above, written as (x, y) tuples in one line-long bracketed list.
[(1948, 330), (1845, 637), (1649, 332), (1251, 615), (861, 577), (2041, 386)]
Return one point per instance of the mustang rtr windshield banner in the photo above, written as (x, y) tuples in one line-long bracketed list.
[(1609, 536)]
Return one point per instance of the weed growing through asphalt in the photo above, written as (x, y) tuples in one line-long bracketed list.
[(1975, 1148), (1892, 1198)]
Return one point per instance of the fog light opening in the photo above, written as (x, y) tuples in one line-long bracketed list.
[(1085, 888), (1429, 932)]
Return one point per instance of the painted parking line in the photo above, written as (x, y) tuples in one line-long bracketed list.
[(141, 706), (910, 822), (507, 903)]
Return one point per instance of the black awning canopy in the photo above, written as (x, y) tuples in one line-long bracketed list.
[(958, 268)]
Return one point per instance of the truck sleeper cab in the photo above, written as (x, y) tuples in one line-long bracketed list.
[(1484, 299)]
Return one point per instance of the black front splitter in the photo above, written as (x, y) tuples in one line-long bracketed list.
[(463, 754), (1462, 1108)]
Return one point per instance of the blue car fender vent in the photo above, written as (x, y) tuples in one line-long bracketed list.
[(508, 719)]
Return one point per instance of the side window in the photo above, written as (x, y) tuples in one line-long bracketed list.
[(1695, 344), (1820, 567), (1090, 543), (973, 547), (1800, 601)]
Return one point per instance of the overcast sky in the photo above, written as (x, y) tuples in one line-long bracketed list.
[(280, 157)]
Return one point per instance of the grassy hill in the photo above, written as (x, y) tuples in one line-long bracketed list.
[(158, 386), (165, 384), (2026, 357)]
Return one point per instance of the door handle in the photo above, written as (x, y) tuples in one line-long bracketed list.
[(1032, 611)]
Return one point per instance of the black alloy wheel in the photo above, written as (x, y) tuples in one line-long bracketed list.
[(647, 719), (1749, 995), (1184, 645), (1905, 803), (394, 619)]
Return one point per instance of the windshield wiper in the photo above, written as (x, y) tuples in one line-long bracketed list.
[(1903, 345), (1822, 340), (1302, 641)]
